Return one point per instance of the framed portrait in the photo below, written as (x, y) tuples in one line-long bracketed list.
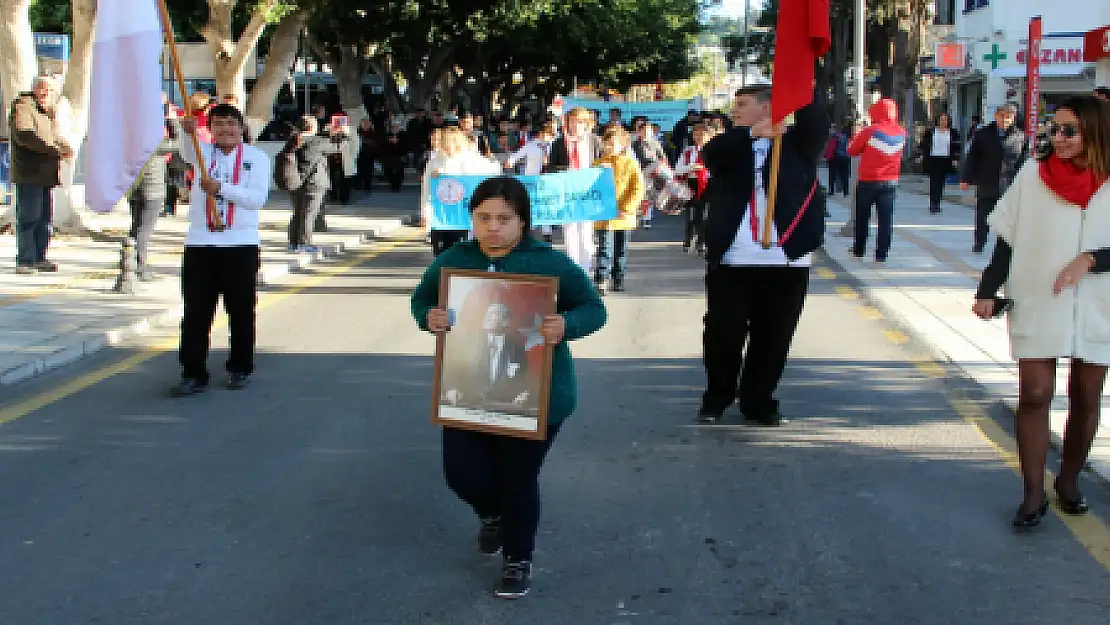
[(493, 368)]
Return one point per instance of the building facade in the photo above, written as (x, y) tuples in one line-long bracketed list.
[(994, 34)]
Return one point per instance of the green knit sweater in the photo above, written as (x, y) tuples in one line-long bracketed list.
[(577, 301)]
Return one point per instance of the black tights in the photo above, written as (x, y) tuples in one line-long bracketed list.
[(1036, 388)]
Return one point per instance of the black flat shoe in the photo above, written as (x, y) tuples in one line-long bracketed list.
[(187, 387), (1074, 507), (772, 420), (1027, 520)]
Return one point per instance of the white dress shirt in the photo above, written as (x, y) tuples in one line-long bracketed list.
[(745, 251), (533, 153), (245, 198)]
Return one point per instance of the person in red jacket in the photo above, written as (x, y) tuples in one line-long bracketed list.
[(880, 148)]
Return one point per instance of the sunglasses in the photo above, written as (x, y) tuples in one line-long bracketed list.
[(1070, 131)]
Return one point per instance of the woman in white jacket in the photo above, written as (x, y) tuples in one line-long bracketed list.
[(1053, 253), (459, 157)]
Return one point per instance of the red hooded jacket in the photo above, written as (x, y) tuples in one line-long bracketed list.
[(880, 145)]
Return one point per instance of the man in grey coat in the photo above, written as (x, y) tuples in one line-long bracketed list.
[(311, 151)]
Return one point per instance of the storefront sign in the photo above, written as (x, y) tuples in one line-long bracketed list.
[(1033, 79), (1054, 56), (1096, 45), (951, 56)]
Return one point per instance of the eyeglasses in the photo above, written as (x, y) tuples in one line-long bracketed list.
[(1070, 131)]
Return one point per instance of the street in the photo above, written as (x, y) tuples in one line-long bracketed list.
[(315, 496)]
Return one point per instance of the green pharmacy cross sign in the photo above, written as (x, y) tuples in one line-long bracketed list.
[(995, 56)]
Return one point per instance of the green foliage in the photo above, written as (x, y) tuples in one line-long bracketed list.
[(51, 16)]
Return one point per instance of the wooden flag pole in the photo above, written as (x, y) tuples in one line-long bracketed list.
[(214, 217), (772, 190)]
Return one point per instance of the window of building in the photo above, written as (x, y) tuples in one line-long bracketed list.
[(971, 5), (945, 13)]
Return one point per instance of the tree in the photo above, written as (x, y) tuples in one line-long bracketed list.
[(17, 63)]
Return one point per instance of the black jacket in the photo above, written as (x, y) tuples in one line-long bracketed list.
[(994, 159), (559, 159), (731, 165)]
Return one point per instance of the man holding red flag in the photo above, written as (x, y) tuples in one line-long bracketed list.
[(755, 296)]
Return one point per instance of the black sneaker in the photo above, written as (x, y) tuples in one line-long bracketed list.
[(618, 285), (516, 579), (187, 387), (489, 536), (237, 381)]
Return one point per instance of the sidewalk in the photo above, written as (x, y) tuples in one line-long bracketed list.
[(50, 320), (927, 286)]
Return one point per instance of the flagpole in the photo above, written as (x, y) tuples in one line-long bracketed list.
[(772, 190), (171, 41)]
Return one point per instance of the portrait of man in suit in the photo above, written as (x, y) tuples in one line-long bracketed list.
[(488, 369)]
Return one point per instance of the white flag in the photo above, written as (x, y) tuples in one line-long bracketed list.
[(126, 120)]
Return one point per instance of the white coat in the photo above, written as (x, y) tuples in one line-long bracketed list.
[(1047, 233)]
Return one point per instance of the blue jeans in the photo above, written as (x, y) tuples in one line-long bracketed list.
[(34, 208), (881, 195), (612, 255)]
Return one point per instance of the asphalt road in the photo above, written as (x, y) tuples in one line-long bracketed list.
[(316, 496)]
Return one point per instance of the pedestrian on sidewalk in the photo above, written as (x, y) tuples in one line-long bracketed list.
[(691, 168), (939, 150), (498, 476), (221, 261), (840, 166), (613, 236), (311, 152), (1057, 204), (578, 148), (879, 147), (147, 200), (997, 152), (37, 152), (755, 296)]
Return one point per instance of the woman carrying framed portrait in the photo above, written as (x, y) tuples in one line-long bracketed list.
[(498, 475)]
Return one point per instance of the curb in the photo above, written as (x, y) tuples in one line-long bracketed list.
[(69, 354), (1099, 468)]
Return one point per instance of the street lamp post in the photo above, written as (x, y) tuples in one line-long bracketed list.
[(860, 24)]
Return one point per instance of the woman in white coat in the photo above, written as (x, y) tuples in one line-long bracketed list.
[(1053, 254)]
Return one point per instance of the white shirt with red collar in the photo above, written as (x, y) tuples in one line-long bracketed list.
[(244, 177)]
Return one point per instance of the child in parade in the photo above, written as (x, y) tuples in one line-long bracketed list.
[(535, 153), (691, 168), (613, 236), (498, 476)]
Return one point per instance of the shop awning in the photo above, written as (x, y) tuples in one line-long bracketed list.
[(1072, 70)]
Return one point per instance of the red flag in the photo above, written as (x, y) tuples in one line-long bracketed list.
[(801, 37)]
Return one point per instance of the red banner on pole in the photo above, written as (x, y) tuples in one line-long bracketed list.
[(802, 35), (1033, 79)]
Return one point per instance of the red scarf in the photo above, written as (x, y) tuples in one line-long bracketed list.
[(702, 175), (229, 218), (1071, 182)]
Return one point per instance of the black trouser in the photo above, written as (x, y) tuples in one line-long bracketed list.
[(340, 184), (841, 171), (395, 175), (612, 255), (144, 217), (984, 206), (207, 272), (306, 206), (695, 223), (499, 477), (364, 176), (442, 240), (938, 172), (879, 194), (759, 306)]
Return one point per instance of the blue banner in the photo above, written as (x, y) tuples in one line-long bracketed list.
[(561, 198), (5, 174), (665, 113)]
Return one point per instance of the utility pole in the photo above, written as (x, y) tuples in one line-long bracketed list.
[(744, 58), (860, 24)]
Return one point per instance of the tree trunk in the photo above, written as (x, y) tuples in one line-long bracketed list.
[(383, 67), (421, 88), (17, 63), (229, 56), (73, 109), (283, 51)]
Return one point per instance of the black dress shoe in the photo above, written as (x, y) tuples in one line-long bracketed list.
[(187, 387), (1028, 520), (709, 414), (1073, 507), (237, 381), (772, 420)]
